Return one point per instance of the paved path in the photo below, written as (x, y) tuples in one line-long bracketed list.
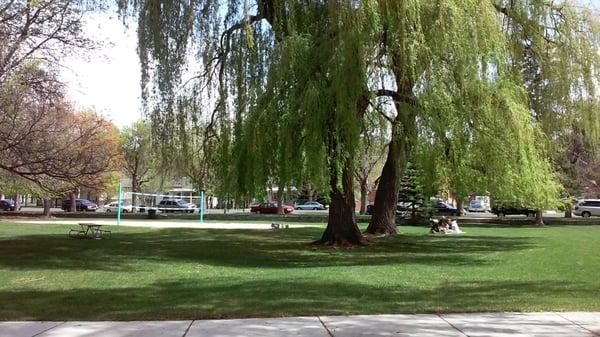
[(572, 324)]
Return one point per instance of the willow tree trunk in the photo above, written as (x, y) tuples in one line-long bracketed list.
[(47, 207), (539, 219), (341, 228), (310, 192), (568, 210), (460, 206), (383, 221)]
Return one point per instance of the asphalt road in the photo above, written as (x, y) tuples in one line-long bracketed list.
[(468, 215)]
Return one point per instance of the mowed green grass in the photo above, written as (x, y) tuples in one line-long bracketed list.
[(144, 273)]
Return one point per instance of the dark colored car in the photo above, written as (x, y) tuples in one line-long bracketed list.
[(81, 205), (401, 209), (176, 205), (7, 205), (269, 207), (442, 208), (507, 209)]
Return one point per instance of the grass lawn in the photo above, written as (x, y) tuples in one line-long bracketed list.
[(144, 273)]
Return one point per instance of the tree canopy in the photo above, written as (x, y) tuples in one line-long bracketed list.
[(284, 88)]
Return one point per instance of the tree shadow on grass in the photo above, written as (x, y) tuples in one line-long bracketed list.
[(243, 248), (196, 299)]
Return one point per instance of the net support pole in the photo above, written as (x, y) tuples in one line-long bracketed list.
[(201, 207), (119, 204)]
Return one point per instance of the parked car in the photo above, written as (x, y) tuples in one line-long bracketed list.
[(114, 207), (81, 205), (269, 207), (311, 205), (8, 205), (403, 208), (176, 205), (477, 206), (442, 208), (513, 209), (587, 208)]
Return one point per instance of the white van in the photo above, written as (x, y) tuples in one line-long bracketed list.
[(587, 208)]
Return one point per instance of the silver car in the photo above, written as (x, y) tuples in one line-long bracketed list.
[(176, 205), (114, 207), (587, 208), (477, 206), (311, 205)]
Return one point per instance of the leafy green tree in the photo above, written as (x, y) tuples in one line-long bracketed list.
[(286, 84), (554, 53), (551, 53), (138, 155)]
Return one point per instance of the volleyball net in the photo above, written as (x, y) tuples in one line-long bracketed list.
[(137, 202)]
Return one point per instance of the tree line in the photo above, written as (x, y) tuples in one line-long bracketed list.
[(494, 97)]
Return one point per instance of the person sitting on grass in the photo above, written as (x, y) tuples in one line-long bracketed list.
[(439, 226), (454, 228), (444, 226)]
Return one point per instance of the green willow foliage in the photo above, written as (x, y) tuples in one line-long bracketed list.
[(281, 87), (558, 63)]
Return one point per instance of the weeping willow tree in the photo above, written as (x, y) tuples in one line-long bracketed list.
[(280, 85), (547, 51), (427, 51), (554, 54), (282, 89), (552, 57), (314, 104)]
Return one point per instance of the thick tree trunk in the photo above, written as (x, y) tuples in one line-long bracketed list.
[(341, 225), (47, 207), (539, 220), (310, 192), (460, 205), (73, 198), (383, 221), (364, 190), (568, 211)]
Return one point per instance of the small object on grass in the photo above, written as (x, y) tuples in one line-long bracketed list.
[(275, 225)]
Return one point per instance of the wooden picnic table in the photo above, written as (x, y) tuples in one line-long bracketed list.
[(89, 230)]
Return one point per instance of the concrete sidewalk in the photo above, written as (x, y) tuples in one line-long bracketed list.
[(572, 324)]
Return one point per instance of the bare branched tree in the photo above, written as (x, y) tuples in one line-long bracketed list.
[(40, 31)]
